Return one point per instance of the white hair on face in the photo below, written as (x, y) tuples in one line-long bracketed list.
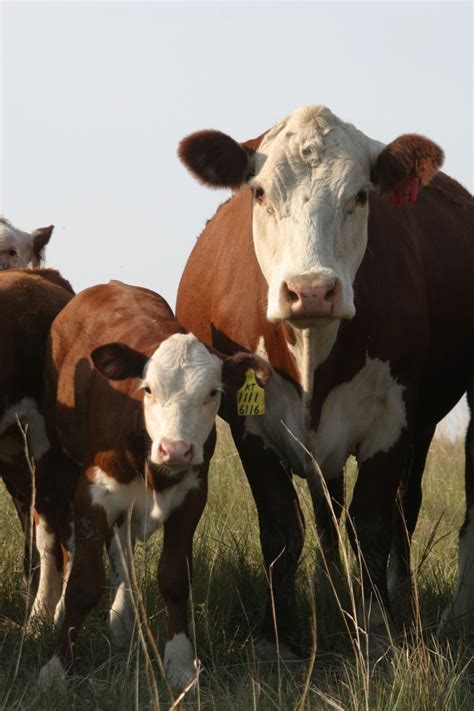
[(22, 242)]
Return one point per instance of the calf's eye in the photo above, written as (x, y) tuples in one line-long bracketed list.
[(12, 252), (147, 390), (259, 194), (361, 198)]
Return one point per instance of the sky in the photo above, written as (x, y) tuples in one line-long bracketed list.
[(95, 97)]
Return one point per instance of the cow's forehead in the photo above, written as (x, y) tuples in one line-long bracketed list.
[(182, 363), (312, 143), (10, 235)]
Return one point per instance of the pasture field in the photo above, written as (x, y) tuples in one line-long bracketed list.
[(417, 674)]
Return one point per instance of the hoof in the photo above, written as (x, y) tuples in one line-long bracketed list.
[(52, 674)]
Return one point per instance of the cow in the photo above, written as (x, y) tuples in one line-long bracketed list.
[(132, 400), (29, 301), (19, 249), (361, 298)]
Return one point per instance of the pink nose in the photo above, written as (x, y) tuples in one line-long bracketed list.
[(312, 301), (175, 453)]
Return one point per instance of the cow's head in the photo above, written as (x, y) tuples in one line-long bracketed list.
[(19, 249), (310, 175), (182, 384)]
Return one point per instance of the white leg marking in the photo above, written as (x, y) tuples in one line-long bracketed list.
[(60, 607), (52, 673), (180, 665), (461, 609), (121, 614), (50, 583)]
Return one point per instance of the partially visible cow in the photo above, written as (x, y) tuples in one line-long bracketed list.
[(29, 301), (19, 249), (133, 399), (364, 309)]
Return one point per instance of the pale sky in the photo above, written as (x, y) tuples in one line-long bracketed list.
[(96, 96)]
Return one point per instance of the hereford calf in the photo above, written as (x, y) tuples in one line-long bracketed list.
[(20, 249), (134, 400), (29, 301)]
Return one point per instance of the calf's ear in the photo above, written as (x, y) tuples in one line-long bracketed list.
[(408, 156), (41, 238), (235, 368), (116, 361), (217, 160)]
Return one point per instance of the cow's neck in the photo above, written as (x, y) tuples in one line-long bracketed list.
[(311, 347)]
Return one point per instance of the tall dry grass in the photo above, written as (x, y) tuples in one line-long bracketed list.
[(227, 598)]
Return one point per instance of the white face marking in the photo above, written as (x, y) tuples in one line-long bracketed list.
[(16, 247), (362, 417), (150, 508), (179, 662), (185, 383), (460, 611), (26, 410), (50, 582), (310, 228)]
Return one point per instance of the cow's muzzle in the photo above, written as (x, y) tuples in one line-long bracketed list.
[(312, 302)]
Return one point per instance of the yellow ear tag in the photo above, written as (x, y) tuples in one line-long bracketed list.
[(250, 397)]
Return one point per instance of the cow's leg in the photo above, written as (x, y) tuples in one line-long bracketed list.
[(460, 612), (327, 507), (86, 581), (281, 537), (121, 615), (18, 482), (174, 575), (370, 528)]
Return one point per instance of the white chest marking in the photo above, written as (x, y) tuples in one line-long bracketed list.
[(150, 508), (27, 412), (361, 417)]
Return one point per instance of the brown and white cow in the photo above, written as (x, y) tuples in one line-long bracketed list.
[(133, 399), (19, 249), (29, 301), (363, 308)]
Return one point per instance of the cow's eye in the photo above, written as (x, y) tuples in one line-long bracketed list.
[(12, 252), (259, 194), (361, 197), (213, 393), (147, 390)]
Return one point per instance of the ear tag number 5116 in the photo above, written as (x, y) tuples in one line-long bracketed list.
[(250, 397)]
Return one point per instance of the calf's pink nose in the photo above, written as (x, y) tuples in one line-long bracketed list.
[(312, 301), (175, 453)]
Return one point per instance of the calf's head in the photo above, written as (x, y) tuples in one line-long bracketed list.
[(19, 249), (310, 175), (182, 384)]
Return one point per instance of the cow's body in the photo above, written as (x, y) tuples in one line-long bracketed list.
[(142, 437), (29, 301), (374, 385)]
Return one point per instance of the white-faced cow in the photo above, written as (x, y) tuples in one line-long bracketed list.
[(29, 301), (133, 399), (20, 249), (363, 308)]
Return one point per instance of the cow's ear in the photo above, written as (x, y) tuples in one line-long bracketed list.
[(408, 156), (235, 369), (41, 238), (216, 160), (117, 361)]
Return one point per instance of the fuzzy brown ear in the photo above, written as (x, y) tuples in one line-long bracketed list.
[(235, 368), (408, 157), (216, 160), (41, 238), (117, 361)]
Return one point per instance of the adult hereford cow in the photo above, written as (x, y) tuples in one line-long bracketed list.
[(365, 311), (29, 301), (133, 400)]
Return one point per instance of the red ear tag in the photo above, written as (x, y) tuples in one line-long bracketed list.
[(406, 190)]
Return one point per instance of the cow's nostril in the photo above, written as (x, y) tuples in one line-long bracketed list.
[(330, 295), (292, 296)]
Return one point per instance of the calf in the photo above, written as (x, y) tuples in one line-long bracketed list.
[(133, 399), (20, 249), (29, 301)]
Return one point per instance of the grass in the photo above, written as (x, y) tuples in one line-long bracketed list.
[(228, 595)]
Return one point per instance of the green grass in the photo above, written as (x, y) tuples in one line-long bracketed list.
[(228, 595)]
